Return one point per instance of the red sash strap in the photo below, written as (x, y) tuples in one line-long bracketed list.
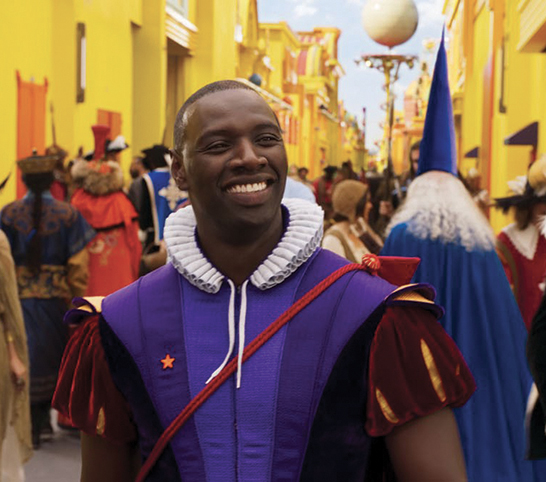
[(230, 368)]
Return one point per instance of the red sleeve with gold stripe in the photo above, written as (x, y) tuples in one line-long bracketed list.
[(415, 369)]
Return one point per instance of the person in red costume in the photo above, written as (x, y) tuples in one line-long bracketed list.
[(522, 245), (114, 254)]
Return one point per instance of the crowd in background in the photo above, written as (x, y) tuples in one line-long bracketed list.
[(82, 231)]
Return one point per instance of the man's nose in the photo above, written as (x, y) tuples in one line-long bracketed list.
[(247, 156)]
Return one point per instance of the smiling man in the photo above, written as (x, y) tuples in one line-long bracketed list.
[(363, 368)]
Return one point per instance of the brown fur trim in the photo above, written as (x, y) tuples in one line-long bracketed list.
[(87, 175)]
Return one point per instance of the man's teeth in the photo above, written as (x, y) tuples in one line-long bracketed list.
[(257, 186)]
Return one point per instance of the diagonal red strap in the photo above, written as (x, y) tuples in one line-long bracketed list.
[(230, 368)]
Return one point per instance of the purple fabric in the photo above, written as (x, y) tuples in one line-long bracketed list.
[(127, 379), (153, 304), (236, 425), (315, 340), (249, 433)]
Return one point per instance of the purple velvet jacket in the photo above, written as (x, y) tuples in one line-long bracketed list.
[(300, 411)]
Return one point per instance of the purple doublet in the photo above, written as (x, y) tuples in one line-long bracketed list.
[(262, 430)]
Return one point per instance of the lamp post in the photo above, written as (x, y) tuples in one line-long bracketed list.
[(389, 23)]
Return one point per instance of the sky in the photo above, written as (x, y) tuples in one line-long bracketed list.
[(360, 87)]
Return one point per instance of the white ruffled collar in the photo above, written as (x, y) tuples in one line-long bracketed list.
[(524, 240), (300, 240)]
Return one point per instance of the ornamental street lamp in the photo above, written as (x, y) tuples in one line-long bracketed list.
[(389, 23)]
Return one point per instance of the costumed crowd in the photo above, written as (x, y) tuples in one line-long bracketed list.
[(223, 318)]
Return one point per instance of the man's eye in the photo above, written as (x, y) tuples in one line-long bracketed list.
[(267, 138), (217, 146)]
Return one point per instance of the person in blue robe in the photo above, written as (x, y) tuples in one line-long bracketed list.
[(48, 239), (441, 224)]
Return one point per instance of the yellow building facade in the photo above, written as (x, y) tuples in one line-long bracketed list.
[(68, 64), (497, 74)]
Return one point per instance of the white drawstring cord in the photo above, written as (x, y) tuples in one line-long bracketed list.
[(231, 328), (242, 324)]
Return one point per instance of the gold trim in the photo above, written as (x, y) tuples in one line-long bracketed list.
[(412, 296), (95, 302), (433, 371), (385, 407), (101, 422)]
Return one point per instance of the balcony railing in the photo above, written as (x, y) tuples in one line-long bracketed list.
[(181, 6), (532, 36)]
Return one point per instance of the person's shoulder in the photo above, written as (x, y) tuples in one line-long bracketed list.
[(399, 228), (5, 249), (66, 211), (9, 210), (4, 243), (397, 231), (148, 285)]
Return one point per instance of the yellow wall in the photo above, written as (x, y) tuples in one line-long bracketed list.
[(38, 39), (519, 83), (147, 74), (134, 70), (31, 56)]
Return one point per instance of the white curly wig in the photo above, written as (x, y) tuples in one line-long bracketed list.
[(438, 207)]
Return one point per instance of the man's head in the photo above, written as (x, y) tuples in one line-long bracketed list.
[(329, 172), (302, 173), (230, 157), (136, 169)]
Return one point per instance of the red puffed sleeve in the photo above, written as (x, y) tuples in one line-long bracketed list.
[(85, 392), (415, 369)]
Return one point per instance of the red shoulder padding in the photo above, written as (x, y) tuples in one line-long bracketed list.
[(85, 393), (415, 370), (398, 270)]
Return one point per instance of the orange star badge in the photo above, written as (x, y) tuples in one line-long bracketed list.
[(168, 362)]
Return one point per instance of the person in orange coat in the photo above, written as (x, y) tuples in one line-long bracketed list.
[(114, 254)]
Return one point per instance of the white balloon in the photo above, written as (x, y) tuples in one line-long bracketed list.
[(390, 22)]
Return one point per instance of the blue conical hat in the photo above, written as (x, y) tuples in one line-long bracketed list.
[(437, 150)]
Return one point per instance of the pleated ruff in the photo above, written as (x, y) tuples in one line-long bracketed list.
[(301, 238)]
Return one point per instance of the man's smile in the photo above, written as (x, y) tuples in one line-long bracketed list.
[(244, 188)]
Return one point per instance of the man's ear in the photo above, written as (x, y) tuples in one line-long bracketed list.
[(178, 171)]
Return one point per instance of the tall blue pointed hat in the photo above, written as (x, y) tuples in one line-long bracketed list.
[(437, 150)]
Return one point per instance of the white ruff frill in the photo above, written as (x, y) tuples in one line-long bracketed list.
[(300, 240)]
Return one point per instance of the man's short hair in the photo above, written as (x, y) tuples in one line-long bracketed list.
[(182, 117)]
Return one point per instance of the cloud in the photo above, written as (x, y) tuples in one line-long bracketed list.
[(430, 12), (400, 90), (305, 9), (358, 3)]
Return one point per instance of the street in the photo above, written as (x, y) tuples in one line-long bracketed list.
[(57, 460)]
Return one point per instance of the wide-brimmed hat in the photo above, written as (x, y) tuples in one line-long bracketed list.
[(527, 190), (155, 157)]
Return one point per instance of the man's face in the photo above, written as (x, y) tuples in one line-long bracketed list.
[(234, 165)]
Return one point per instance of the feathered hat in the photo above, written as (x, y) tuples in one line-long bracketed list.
[(527, 190), (117, 145), (437, 149)]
